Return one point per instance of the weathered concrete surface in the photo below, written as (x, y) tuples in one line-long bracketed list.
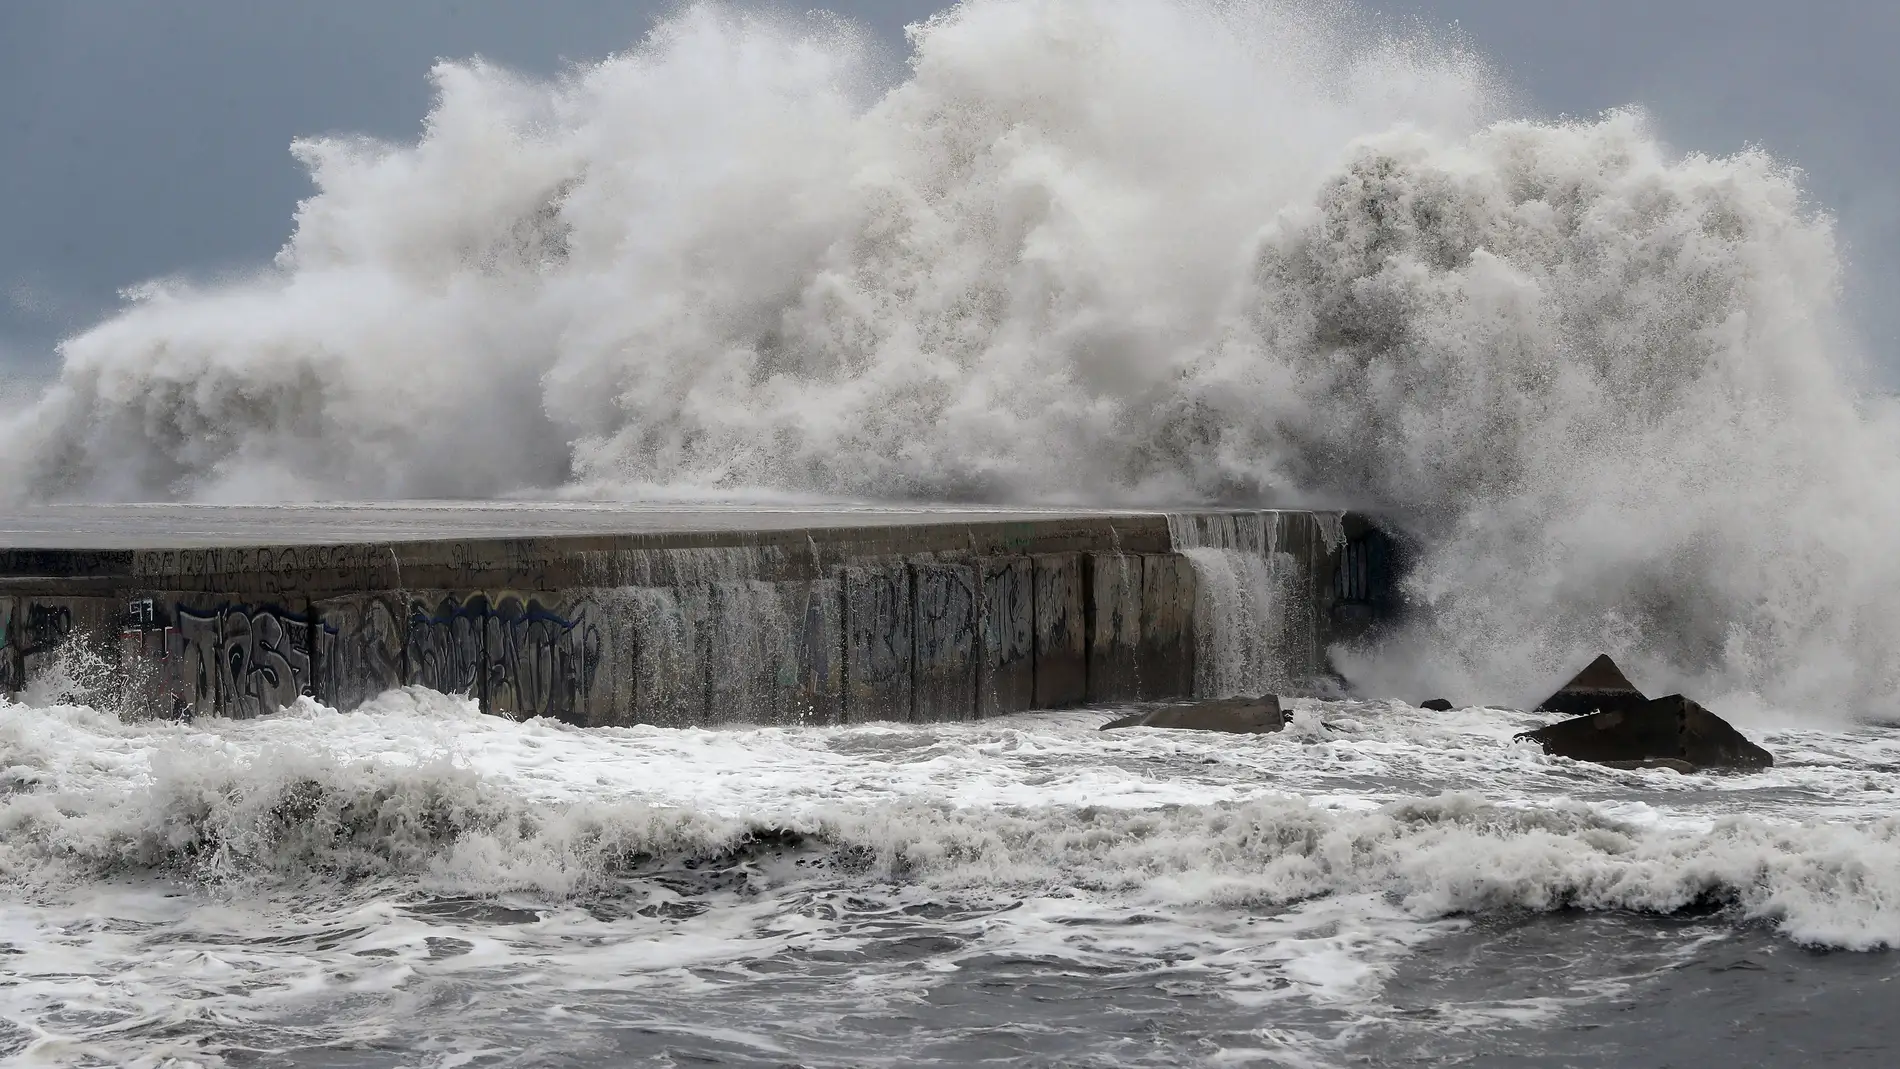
[(360, 647), (948, 645), (1113, 610), (1165, 658), (1239, 716), (672, 666), (879, 650), (446, 648), (776, 647), (1061, 639), (550, 655), (1600, 688), (1667, 729), (10, 672), (601, 616), (1006, 671)]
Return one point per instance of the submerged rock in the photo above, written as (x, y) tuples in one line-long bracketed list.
[(1672, 729), (1436, 705), (1241, 716), (1600, 688)]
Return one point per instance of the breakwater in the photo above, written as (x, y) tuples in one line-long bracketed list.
[(680, 616)]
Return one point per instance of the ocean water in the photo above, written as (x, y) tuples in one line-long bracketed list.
[(416, 884)]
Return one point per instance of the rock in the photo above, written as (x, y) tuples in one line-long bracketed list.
[(1241, 716), (1670, 763), (1671, 729), (1600, 688), (1436, 705)]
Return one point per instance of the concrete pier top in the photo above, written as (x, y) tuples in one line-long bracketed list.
[(181, 526), (314, 550)]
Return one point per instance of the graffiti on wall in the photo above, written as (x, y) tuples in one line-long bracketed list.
[(1009, 628), (445, 650), (946, 641), (1061, 658), (518, 656), (236, 660), (1006, 673), (878, 642), (264, 661), (44, 628), (946, 613), (817, 662), (542, 662), (359, 647)]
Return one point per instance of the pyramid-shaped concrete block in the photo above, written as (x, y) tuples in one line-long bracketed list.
[(1600, 687)]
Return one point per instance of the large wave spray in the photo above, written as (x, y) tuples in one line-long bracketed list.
[(1115, 251)]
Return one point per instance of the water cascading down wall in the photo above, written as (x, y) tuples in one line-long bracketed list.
[(843, 622)]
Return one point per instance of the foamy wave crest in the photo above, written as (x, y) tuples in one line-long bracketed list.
[(211, 811), (1109, 251)]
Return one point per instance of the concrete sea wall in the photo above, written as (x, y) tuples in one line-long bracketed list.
[(921, 621)]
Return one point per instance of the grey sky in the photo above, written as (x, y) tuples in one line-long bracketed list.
[(148, 137)]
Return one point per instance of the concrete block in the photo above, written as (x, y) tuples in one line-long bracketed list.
[(1006, 671), (1061, 650), (878, 643), (1114, 626), (947, 649), (549, 655), (359, 648), (1166, 660)]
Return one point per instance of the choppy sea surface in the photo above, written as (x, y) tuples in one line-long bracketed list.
[(415, 884)]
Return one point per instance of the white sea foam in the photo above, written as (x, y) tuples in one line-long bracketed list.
[(1445, 819), (1135, 250)]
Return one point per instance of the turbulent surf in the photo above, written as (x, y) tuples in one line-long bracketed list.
[(418, 883)]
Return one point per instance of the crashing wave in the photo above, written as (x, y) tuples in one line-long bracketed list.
[(212, 811)]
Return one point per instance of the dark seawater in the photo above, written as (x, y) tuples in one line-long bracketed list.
[(1645, 991)]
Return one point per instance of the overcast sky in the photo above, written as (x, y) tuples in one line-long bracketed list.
[(147, 137)]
